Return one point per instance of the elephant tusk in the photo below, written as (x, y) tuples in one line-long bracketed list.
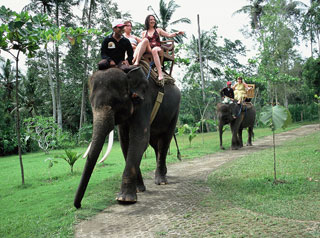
[(87, 151), (110, 143)]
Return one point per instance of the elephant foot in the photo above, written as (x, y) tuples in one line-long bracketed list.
[(127, 193), (141, 188), (126, 198), (249, 144), (222, 148), (77, 205), (160, 177), (235, 148), (161, 180)]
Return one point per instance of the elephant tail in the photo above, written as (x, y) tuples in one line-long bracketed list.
[(178, 151)]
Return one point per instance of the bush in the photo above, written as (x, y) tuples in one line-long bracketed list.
[(303, 112), (85, 134), (43, 130), (64, 140)]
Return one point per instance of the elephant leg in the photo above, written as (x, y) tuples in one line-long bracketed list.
[(234, 140), (240, 142), (138, 142), (124, 142), (220, 135), (161, 146), (250, 135)]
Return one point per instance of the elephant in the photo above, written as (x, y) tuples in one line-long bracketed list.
[(239, 116), (126, 99)]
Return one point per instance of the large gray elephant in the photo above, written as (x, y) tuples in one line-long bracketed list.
[(126, 100), (239, 116)]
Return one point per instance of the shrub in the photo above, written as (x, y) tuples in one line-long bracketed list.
[(43, 130)]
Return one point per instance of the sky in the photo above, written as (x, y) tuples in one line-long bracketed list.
[(211, 13)]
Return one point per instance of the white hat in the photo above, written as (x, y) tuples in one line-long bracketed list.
[(117, 23)]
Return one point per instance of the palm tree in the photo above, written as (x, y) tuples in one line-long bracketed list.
[(166, 12), (45, 6), (255, 11)]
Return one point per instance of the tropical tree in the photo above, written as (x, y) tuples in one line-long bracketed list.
[(166, 12), (19, 33), (46, 7), (277, 36), (6, 80), (255, 11), (7, 124), (215, 57), (88, 9), (311, 25)]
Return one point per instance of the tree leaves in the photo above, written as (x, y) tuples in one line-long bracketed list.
[(275, 117)]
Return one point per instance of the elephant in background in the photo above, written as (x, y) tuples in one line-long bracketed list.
[(239, 116), (126, 100)]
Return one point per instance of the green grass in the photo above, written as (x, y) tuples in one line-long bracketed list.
[(243, 192), (43, 207)]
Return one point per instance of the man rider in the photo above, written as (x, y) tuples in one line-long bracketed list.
[(227, 93), (114, 48)]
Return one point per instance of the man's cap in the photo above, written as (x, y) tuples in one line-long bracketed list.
[(229, 83), (117, 23)]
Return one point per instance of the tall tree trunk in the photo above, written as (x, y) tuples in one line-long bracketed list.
[(53, 95), (59, 110), (318, 39), (18, 118), (285, 96), (83, 117), (200, 60)]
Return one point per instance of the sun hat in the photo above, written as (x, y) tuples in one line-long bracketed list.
[(117, 23)]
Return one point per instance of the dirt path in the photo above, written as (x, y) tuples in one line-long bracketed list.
[(161, 210)]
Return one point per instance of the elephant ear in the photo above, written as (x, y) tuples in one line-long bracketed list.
[(137, 84)]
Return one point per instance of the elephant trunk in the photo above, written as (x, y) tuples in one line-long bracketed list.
[(103, 123)]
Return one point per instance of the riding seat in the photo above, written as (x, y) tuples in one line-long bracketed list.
[(166, 55)]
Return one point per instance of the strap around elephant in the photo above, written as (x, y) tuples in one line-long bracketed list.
[(156, 106), (150, 67), (240, 109)]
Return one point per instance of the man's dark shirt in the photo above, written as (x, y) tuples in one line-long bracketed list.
[(114, 50), (227, 92)]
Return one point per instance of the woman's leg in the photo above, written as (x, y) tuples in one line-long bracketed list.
[(141, 48), (156, 58)]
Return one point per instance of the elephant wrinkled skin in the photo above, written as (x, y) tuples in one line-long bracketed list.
[(239, 117), (126, 100)]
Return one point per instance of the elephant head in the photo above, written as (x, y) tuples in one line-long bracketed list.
[(228, 112), (114, 95)]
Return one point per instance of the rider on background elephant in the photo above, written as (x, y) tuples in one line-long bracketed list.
[(240, 90), (227, 94)]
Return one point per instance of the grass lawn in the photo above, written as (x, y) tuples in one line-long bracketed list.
[(43, 207), (247, 201)]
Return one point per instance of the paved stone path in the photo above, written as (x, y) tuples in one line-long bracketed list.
[(162, 209)]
